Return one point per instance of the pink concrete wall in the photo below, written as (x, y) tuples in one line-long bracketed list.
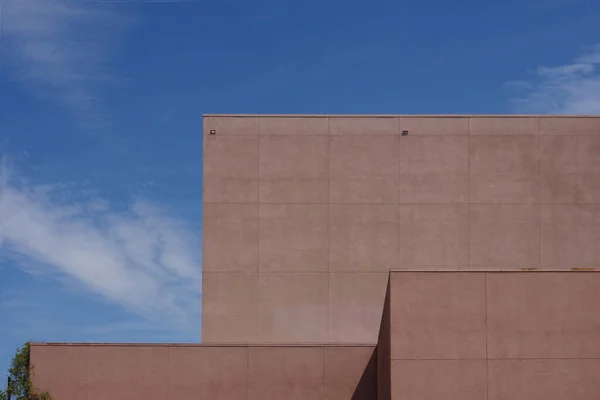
[(495, 335), (176, 372), (305, 216)]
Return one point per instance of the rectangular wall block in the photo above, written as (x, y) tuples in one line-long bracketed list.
[(433, 236), (355, 305), (570, 234), (363, 237), (219, 373), (293, 238), (504, 169), (230, 238), (570, 170), (230, 169), (363, 169), (286, 373), (439, 379), (294, 169), (437, 316), (504, 236), (293, 307), (61, 369), (544, 379), (127, 373), (548, 315), (230, 306), (433, 169)]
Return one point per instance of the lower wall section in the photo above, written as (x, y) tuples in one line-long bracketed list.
[(179, 372), (544, 379), (439, 379), (531, 335)]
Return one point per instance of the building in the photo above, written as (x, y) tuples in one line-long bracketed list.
[(380, 257)]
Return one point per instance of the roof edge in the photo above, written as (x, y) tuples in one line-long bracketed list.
[(403, 115), (499, 271), (99, 344)]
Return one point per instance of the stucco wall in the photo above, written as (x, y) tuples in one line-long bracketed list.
[(495, 335), (176, 372), (304, 216)]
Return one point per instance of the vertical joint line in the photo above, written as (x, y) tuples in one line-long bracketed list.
[(539, 148), (469, 192), (87, 374), (258, 234), (247, 372), (323, 375), (167, 374), (398, 144), (487, 374), (328, 235)]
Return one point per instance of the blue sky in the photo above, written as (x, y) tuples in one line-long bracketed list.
[(101, 136)]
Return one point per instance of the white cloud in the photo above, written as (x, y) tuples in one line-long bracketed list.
[(58, 49), (564, 89), (140, 257)]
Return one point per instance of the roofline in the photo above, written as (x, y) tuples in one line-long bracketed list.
[(405, 115), (93, 344), (497, 271)]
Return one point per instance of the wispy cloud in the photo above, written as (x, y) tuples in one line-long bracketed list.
[(572, 88), (58, 49), (138, 256)]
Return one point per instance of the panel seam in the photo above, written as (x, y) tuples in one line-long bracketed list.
[(398, 195), (258, 223), (247, 373), (539, 146), (323, 391), (167, 374), (328, 235), (487, 369), (87, 391), (469, 193)]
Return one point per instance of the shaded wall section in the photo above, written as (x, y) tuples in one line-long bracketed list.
[(305, 215), (383, 352), (495, 335), (176, 372)]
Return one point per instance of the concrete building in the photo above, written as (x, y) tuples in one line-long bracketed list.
[(483, 231)]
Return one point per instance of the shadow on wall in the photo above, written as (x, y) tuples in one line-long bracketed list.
[(383, 351), (375, 382), (367, 385)]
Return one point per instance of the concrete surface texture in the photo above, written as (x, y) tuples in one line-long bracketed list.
[(305, 215), (179, 372), (494, 335)]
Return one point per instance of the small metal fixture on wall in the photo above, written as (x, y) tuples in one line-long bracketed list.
[(213, 131), (404, 133)]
